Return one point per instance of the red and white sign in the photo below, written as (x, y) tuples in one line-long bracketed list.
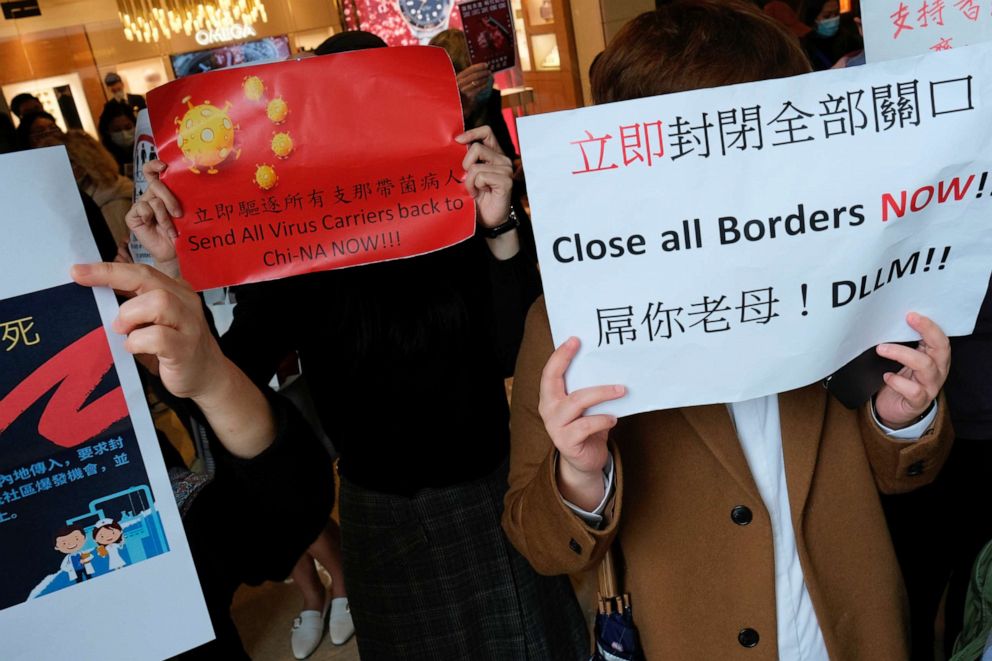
[(313, 164), (901, 28)]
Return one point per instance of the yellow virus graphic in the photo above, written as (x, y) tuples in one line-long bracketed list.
[(266, 177), (282, 145), (254, 88), (277, 110), (205, 134)]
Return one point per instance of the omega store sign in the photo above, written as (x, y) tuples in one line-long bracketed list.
[(225, 35)]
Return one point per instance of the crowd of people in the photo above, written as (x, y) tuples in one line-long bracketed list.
[(787, 526)]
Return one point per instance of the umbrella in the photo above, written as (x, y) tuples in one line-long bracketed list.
[(616, 635)]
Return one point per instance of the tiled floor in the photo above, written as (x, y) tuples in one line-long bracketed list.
[(264, 616)]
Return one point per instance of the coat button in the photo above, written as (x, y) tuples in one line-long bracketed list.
[(741, 516), (915, 469), (748, 637)]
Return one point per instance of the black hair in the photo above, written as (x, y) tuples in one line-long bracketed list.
[(349, 41), (23, 133), (19, 100), (68, 530)]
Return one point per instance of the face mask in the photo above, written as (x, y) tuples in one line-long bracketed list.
[(828, 27), (123, 138), (120, 96)]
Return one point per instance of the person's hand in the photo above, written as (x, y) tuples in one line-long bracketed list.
[(163, 319), (908, 393), (123, 255), (471, 81), (488, 175), (151, 219), (580, 439)]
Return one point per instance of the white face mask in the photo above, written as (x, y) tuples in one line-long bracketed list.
[(123, 138), (120, 95)]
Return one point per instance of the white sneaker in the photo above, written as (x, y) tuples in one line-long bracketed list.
[(340, 625), (308, 629)]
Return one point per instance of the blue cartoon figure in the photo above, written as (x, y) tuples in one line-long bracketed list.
[(78, 563), (109, 537)]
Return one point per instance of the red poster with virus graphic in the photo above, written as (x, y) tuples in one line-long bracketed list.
[(313, 164)]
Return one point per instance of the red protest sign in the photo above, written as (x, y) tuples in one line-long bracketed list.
[(488, 26), (314, 164)]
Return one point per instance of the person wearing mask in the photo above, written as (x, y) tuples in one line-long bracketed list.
[(423, 460), (25, 104), (116, 130), (96, 174), (829, 40), (747, 530), (118, 95)]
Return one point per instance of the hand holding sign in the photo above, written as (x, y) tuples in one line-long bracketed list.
[(488, 180), (580, 439), (909, 393), (151, 219), (471, 81), (165, 319)]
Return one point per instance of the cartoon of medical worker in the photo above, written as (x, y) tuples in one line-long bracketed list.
[(109, 537), (77, 563)]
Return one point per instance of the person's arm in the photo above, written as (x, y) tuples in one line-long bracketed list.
[(513, 277), (557, 457), (906, 430), (165, 319)]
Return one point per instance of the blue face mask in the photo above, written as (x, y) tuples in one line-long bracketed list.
[(828, 27)]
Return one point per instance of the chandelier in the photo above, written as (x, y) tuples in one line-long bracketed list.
[(150, 20)]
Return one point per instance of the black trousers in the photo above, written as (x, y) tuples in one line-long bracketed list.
[(938, 531)]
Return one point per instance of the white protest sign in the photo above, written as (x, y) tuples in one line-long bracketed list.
[(902, 28), (144, 151), (96, 562), (729, 243)]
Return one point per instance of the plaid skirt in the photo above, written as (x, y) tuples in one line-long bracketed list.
[(434, 577)]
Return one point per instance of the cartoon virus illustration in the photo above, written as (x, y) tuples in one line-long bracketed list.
[(205, 134), (282, 144), (277, 110), (254, 88), (266, 177)]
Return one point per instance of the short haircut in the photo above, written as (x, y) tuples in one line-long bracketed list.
[(342, 42), (693, 44), (19, 100)]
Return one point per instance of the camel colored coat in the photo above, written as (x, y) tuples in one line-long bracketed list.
[(696, 577)]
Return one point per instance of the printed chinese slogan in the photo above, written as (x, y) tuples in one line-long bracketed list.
[(313, 164), (724, 244), (87, 514), (900, 28)]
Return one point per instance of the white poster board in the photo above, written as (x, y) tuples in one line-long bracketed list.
[(729, 243), (903, 28), (82, 456)]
